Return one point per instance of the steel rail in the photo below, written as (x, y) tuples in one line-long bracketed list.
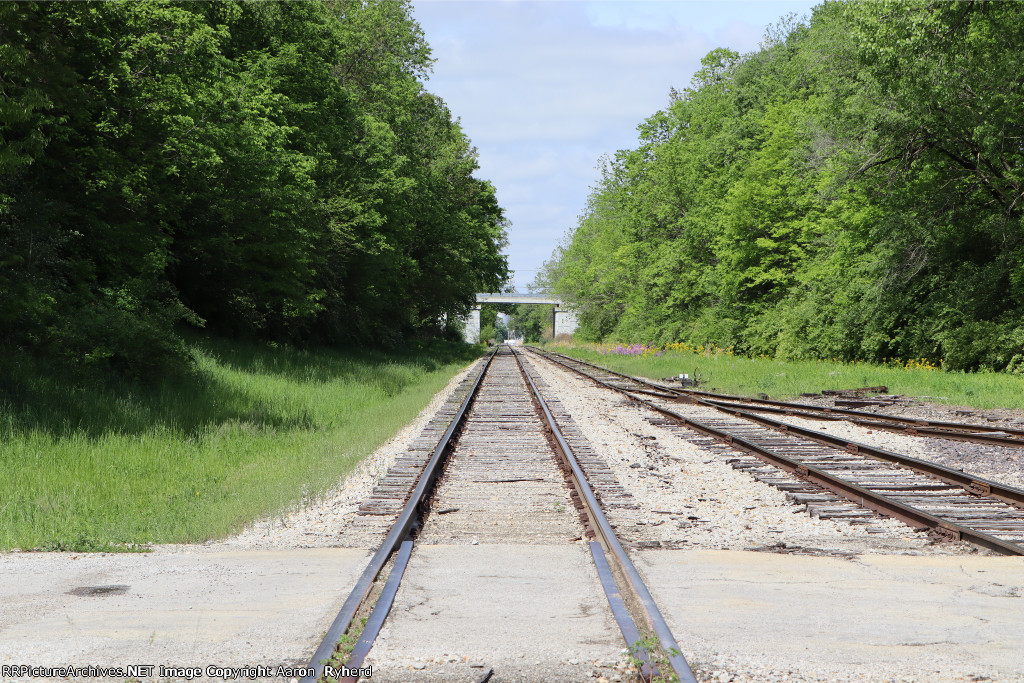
[(608, 539), (399, 530), (654, 389), (626, 624), (972, 484), (852, 492), (379, 613), (627, 627), (976, 485), (910, 422), (901, 425), (620, 611), (961, 431)]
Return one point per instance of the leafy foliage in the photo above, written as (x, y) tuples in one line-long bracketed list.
[(268, 169), (532, 322), (851, 190)]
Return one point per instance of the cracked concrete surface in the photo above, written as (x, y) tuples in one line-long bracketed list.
[(871, 617)]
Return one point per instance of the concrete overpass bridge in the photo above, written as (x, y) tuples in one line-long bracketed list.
[(563, 320)]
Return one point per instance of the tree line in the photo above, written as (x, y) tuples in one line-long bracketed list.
[(265, 169), (851, 190)]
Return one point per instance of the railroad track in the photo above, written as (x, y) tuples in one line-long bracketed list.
[(504, 442), (815, 467), (976, 433)]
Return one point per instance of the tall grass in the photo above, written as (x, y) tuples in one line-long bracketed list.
[(253, 429), (779, 379)]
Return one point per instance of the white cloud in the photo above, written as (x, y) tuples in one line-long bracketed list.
[(543, 89)]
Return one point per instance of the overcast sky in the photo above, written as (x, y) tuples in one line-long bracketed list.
[(544, 89)]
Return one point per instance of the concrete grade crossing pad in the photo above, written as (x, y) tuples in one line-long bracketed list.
[(532, 613), (529, 612), (235, 608), (888, 617)]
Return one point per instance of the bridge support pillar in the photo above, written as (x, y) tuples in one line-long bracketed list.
[(471, 332), (565, 321)]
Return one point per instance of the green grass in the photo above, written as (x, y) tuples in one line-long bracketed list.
[(787, 379), (254, 429)]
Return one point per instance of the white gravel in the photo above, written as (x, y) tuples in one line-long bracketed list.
[(324, 522), (691, 494), (1002, 464)]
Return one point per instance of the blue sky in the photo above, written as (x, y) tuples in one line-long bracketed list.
[(544, 89)]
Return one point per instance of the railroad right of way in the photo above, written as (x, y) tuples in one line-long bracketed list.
[(756, 581), (649, 508), (504, 479)]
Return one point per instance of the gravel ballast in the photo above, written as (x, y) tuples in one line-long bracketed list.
[(692, 495), (945, 612)]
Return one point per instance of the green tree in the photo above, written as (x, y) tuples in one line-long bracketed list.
[(852, 189), (531, 322), (269, 169)]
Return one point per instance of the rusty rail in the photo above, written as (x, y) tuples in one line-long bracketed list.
[(975, 433), (398, 533), (609, 557), (634, 583), (857, 494), (979, 485)]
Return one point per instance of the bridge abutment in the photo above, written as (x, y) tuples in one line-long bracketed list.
[(471, 331), (563, 320)]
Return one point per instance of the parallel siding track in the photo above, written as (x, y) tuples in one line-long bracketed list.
[(949, 503), (977, 433)]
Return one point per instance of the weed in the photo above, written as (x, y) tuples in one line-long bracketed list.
[(651, 647), (83, 544), (346, 644)]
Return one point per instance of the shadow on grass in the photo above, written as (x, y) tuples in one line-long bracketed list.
[(326, 365), (36, 397)]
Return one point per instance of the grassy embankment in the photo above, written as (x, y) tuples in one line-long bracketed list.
[(253, 430), (780, 379)]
